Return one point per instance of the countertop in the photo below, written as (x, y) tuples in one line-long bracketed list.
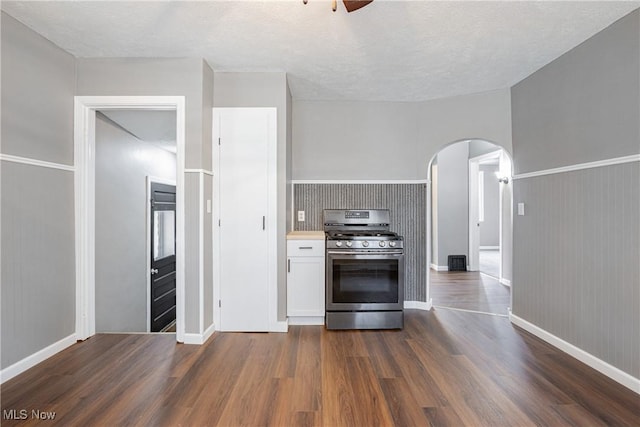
[(305, 235)]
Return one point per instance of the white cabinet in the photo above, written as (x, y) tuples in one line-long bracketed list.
[(246, 236), (305, 281)]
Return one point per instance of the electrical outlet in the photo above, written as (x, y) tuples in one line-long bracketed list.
[(300, 216), (521, 209)]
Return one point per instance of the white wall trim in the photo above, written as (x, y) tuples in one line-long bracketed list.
[(489, 248), (280, 326), (306, 320), (580, 166), (359, 181), (199, 339), (203, 171), (418, 305), (35, 162), (201, 250), (439, 267), (84, 154), (598, 364), (30, 361), (505, 282)]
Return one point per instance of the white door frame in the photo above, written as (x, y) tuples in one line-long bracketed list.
[(85, 108), (474, 235)]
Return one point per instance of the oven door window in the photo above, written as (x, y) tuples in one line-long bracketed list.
[(365, 280)]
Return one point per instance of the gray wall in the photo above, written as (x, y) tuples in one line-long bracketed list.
[(576, 251), (453, 202), (37, 239), (207, 180), (478, 148), (434, 213), (390, 140), (171, 77), (490, 227), (266, 90), (583, 106), (122, 164), (407, 203)]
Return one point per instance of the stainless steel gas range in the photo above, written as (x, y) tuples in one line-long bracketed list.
[(365, 270)]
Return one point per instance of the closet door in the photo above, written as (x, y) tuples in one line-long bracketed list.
[(243, 199)]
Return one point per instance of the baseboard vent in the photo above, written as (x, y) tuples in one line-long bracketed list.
[(457, 262)]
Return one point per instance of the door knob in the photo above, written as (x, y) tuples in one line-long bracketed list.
[(154, 271)]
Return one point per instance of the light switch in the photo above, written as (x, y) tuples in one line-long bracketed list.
[(208, 206), (300, 216), (521, 209)]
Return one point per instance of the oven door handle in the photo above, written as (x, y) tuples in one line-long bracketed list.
[(365, 253)]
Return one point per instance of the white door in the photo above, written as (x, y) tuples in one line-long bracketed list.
[(243, 179)]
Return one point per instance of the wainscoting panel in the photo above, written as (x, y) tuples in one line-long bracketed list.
[(192, 199), (576, 251), (38, 259), (407, 203)]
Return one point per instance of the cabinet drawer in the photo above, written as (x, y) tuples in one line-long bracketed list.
[(305, 248)]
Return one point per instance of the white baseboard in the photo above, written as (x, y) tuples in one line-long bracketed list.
[(195, 339), (439, 267), (306, 320), (489, 248), (505, 282), (280, 326), (30, 361), (208, 332), (587, 358), (199, 339), (418, 305)]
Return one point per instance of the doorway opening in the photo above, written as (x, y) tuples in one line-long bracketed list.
[(124, 147), (470, 217)]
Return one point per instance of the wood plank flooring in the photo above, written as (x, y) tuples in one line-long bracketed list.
[(445, 368), (470, 290)]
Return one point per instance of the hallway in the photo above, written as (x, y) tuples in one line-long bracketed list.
[(470, 290)]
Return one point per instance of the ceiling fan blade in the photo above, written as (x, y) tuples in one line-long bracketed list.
[(352, 5)]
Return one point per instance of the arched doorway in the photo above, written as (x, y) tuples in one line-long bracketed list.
[(469, 227)]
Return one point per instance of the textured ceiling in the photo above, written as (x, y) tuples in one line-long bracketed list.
[(387, 51)]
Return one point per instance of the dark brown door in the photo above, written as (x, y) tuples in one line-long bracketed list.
[(163, 256)]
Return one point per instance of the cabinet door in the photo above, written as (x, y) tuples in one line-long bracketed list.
[(243, 183), (305, 286)]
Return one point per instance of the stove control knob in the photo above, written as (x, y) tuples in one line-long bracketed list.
[(338, 244), (349, 244), (392, 244), (365, 244), (382, 243)]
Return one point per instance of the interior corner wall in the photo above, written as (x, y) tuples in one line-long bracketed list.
[(490, 227), (575, 251), (37, 214), (207, 180), (267, 89), (168, 77), (434, 213), (453, 202)]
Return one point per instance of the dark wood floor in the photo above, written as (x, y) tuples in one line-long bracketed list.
[(444, 368), (470, 290)]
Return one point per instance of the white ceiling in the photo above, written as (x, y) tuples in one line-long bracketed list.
[(387, 51)]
